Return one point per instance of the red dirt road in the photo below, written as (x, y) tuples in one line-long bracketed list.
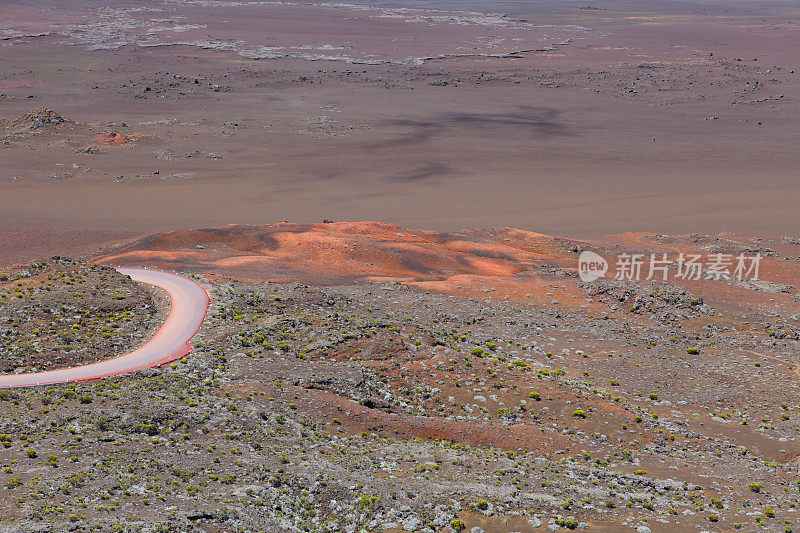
[(189, 302)]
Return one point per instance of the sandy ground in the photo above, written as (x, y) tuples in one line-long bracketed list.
[(25, 245), (197, 114)]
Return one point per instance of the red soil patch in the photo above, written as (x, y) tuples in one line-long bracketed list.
[(366, 251), (117, 139), (494, 263)]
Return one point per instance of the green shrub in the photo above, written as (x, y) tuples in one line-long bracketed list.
[(368, 503)]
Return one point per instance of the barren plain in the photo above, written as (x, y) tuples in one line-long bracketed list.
[(378, 376), (543, 116)]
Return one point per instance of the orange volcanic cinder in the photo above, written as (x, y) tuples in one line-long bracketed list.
[(366, 251), (118, 139)]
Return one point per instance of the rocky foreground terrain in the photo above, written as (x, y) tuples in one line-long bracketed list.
[(464, 381), (60, 313)]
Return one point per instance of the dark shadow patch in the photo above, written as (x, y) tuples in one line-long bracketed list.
[(427, 172), (532, 122), (268, 241), (490, 254), (418, 131)]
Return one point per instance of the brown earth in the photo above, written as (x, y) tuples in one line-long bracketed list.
[(24, 245), (331, 119)]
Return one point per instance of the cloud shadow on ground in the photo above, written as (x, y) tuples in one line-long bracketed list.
[(534, 122)]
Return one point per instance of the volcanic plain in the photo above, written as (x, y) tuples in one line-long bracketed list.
[(439, 370), (545, 116)]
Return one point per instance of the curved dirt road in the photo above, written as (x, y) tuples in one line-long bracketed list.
[(189, 302)]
